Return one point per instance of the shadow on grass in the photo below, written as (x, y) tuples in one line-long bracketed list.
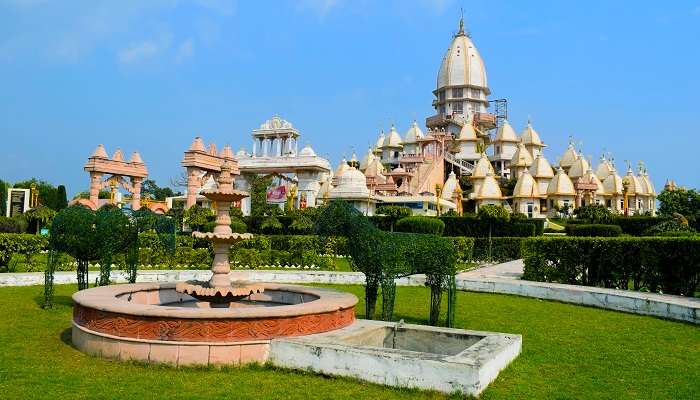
[(64, 301), (67, 337)]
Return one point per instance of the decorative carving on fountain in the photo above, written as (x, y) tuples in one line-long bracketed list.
[(221, 290)]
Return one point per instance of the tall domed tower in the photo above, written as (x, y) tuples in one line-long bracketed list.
[(462, 89)]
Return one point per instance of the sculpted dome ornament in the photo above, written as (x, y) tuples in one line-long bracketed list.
[(561, 185), (414, 133), (307, 151), (526, 187), (462, 64)]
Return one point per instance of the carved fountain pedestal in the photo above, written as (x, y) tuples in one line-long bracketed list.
[(224, 287)]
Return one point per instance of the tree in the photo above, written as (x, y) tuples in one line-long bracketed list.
[(112, 230), (46, 191), (73, 232), (594, 214), (150, 190), (196, 217), (258, 197), (3, 197), (681, 201), (39, 217), (394, 213), (492, 214), (61, 201)]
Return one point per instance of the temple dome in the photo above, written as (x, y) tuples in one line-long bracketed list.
[(341, 168), (467, 133), (483, 167), (393, 139), (351, 184), (526, 187), (521, 158), (604, 169), (541, 168), (579, 167), (100, 152), (450, 185), (307, 151), (570, 155), (413, 134), (489, 189), (369, 157), (530, 137), (506, 133), (462, 65), (561, 185), (613, 184)]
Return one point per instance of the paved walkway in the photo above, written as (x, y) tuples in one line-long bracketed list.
[(501, 278), (507, 270)]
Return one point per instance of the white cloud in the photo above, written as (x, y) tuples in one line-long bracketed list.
[(319, 7), (184, 51), (138, 52)]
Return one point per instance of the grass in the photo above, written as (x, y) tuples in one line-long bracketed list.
[(568, 352)]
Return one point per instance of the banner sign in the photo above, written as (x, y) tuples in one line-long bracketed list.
[(277, 194)]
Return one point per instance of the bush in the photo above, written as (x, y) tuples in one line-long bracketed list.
[(677, 224), (670, 265), (636, 225), (474, 227), (417, 224), (593, 230), (14, 243), (594, 214), (502, 249), (15, 224), (463, 248)]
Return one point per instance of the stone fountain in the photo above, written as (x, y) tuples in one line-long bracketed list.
[(224, 287)]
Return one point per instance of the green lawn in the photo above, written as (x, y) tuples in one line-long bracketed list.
[(568, 352)]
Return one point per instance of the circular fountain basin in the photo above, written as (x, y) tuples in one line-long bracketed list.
[(152, 322)]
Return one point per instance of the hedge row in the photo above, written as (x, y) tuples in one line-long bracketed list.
[(474, 227), (19, 243), (593, 230), (669, 265), (502, 249), (417, 224)]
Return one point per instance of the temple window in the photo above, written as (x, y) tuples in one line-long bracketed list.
[(458, 107), (457, 93)]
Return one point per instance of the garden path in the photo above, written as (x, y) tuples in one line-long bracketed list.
[(507, 270)]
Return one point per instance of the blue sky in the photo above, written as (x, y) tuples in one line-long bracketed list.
[(150, 75)]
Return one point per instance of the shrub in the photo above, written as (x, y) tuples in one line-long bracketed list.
[(594, 214), (670, 265), (636, 225), (677, 224), (502, 249), (418, 224), (463, 248), (473, 227), (13, 225), (593, 230), (16, 243)]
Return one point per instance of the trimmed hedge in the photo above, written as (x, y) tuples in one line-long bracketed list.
[(419, 224), (20, 243), (473, 227), (502, 249), (635, 226), (593, 230), (464, 248), (669, 265)]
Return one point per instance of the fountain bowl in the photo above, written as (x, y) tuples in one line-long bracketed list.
[(152, 322)]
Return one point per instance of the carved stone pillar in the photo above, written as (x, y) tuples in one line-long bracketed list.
[(136, 194), (192, 186), (95, 186)]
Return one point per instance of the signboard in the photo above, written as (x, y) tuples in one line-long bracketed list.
[(17, 201), (277, 194)]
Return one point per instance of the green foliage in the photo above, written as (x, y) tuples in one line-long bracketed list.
[(150, 190), (271, 225), (39, 217), (594, 214), (61, 198), (16, 224), (238, 226), (418, 224), (302, 225), (636, 225), (258, 197), (48, 195), (681, 201), (196, 217), (73, 232), (474, 227), (492, 213), (593, 230), (13, 243), (502, 249), (384, 257), (463, 248), (670, 265), (3, 197), (393, 214), (677, 223), (113, 230)]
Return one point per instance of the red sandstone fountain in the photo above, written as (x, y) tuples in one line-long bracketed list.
[(225, 320), (220, 290)]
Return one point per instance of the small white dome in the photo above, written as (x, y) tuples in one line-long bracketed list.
[(521, 158), (307, 151), (467, 133), (530, 137), (613, 184), (413, 134), (526, 187), (369, 157), (579, 167), (351, 183), (506, 133), (341, 168), (570, 155), (604, 169), (561, 185), (450, 185), (483, 167), (393, 139), (489, 189), (541, 168)]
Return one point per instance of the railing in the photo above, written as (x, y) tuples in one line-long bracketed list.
[(464, 165)]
